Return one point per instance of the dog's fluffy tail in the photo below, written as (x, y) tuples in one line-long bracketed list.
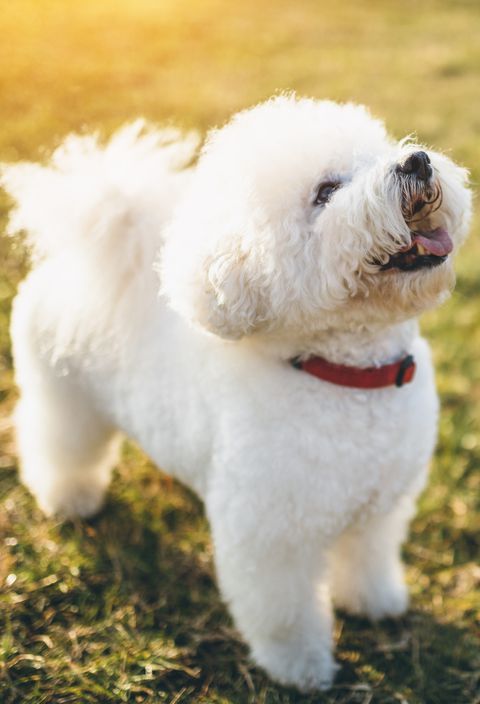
[(104, 203)]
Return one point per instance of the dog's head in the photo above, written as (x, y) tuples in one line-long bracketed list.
[(304, 215)]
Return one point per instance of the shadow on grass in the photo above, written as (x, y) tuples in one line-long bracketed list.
[(144, 576), (127, 607)]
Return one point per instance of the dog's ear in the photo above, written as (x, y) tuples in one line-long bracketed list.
[(234, 294), (222, 290)]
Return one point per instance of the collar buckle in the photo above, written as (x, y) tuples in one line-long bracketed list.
[(406, 364)]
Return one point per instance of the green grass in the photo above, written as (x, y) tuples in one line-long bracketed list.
[(124, 608)]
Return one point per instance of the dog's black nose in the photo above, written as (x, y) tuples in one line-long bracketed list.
[(417, 164)]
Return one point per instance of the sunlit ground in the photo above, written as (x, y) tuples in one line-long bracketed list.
[(124, 608)]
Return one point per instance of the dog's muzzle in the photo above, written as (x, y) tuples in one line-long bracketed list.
[(421, 197)]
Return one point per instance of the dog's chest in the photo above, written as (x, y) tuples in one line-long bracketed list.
[(359, 451)]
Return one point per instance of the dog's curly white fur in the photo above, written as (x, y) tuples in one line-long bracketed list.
[(308, 486)]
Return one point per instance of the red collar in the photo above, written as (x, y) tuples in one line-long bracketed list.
[(396, 374)]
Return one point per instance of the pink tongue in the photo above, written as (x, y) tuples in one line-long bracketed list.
[(436, 242)]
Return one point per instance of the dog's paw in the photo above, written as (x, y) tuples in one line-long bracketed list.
[(69, 501), (306, 668), (376, 599)]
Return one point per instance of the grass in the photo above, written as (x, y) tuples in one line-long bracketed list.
[(124, 608)]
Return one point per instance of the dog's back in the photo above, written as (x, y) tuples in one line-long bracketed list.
[(93, 219), (104, 203)]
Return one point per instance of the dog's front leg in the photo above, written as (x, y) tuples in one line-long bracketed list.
[(367, 575), (274, 583)]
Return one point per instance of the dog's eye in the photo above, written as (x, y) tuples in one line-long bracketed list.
[(326, 191)]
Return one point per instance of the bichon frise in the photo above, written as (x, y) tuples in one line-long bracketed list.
[(280, 372)]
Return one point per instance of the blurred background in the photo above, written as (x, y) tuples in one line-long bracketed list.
[(124, 608)]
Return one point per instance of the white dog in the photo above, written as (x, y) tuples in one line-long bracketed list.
[(294, 258)]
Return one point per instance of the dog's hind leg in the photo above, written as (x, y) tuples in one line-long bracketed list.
[(65, 446), (66, 451)]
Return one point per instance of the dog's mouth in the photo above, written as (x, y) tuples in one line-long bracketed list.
[(429, 247), (426, 250)]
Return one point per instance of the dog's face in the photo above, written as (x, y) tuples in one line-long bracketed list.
[(304, 215)]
